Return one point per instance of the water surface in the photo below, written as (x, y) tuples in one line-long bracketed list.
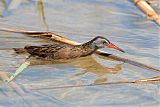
[(80, 20)]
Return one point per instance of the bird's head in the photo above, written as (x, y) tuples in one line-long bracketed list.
[(102, 42)]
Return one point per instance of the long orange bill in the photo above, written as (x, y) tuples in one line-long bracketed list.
[(115, 47)]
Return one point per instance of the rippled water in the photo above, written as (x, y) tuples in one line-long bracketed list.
[(80, 20)]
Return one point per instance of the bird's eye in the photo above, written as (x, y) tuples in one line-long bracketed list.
[(104, 42)]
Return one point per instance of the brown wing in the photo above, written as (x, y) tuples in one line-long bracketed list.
[(44, 50)]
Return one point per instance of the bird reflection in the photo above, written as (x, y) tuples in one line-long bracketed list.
[(91, 66), (88, 65)]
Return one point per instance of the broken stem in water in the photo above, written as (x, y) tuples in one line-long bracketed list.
[(140, 81)]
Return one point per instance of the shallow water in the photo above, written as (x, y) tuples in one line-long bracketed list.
[(80, 20)]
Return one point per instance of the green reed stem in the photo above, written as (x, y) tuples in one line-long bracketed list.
[(19, 70)]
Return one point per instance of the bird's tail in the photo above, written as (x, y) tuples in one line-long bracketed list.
[(20, 50)]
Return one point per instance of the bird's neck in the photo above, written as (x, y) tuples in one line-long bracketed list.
[(87, 48)]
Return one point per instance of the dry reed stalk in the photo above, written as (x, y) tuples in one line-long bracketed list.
[(148, 10)]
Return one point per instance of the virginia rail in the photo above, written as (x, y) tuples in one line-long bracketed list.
[(66, 51)]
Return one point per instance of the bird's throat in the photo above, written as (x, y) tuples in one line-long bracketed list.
[(88, 49)]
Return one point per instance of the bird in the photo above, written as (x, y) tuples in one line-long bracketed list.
[(66, 51)]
